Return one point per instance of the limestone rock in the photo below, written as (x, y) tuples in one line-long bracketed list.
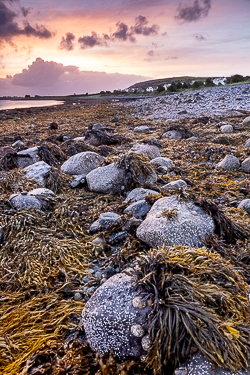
[(245, 166), (149, 151), (108, 179), (229, 163), (139, 209), (82, 163), (139, 194), (199, 365), (245, 205), (28, 157), (113, 322), (171, 222), (37, 172)]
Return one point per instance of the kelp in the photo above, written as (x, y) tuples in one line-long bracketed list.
[(199, 303)]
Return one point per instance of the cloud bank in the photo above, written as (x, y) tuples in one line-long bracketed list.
[(50, 78), (193, 12)]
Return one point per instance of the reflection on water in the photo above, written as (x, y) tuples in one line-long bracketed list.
[(15, 104)]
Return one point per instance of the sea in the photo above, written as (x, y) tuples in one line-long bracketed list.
[(16, 104)]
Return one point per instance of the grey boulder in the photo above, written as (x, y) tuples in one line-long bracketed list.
[(82, 163), (108, 179), (226, 128), (138, 194), (199, 365), (247, 143), (141, 129), (36, 198), (37, 172), (138, 209), (245, 166), (175, 185), (115, 318), (150, 151), (162, 162), (172, 134), (171, 222), (105, 221), (28, 157), (245, 205), (229, 163), (246, 123)]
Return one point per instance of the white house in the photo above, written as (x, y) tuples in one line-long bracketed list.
[(220, 81), (150, 89)]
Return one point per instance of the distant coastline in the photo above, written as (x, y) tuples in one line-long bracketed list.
[(17, 104)]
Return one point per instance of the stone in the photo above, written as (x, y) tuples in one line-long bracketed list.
[(1, 236), (246, 123), (18, 144), (28, 157), (142, 129), (226, 128), (117, 237), (105, 220), (163, 162), (150, 151), (36, 198), (229, 163), (138, 209), (199, 365), (245, 166), (245, 205), (247, 143), (175, 185), (111, 322), (172, 134), (82, 163), (108, 179), (78, 181), (37, 172), (138, 194), (99, 127), (171, 222)]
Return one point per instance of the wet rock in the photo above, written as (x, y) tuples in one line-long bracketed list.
[(226, 128), (139, 209), (245, 205), (82, 163), (139, 194), (246, 123), (229, 163), (111, 322), (142, 129), (28, 157), (171, 222), (199, 365), (150, 151), (106, 220), (245, 166), (108, 179), (175, 185), (37, 172), (162, 162), (36, 198)]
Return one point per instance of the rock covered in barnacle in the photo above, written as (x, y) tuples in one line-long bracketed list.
[(199, 365), (82, 163), (171, 222), (113, 320)]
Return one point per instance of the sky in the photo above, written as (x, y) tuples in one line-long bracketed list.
[(63, 47)]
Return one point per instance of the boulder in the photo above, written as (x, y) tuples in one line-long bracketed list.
[(115, 318), (245, 205), (199, 365), (138, 209), (226, 128), (36, 198), (105, 220), (150, 151), (28, 157), (172, 134), (162, 162), (171, 222), (175, 185), (229, 163), (37, 172), (247, 143), (139, 194), (108, 179), (245, 166), (82, 163), (142, 129), (246, 123)]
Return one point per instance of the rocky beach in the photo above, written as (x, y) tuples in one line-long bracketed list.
[(124, 231)]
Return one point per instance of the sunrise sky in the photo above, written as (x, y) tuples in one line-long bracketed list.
[(61, 47)]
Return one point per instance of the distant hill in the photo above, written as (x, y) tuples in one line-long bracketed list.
[(163, 81)]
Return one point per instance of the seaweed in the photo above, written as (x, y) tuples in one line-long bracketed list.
[(100, 137)]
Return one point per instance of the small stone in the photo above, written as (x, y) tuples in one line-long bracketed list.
[(229, 163), (245, 205), (150, 151), (141, 129), (247, 143), (175, 185), (245, 166), (18, 144), (246, 123), (138, 209), (37, 172), (139, 194), (139, 303), (137, 330), (82, 163), (146, 343), (77, 296), (226, 129), (162, 162)]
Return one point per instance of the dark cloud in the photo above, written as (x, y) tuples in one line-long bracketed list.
[(25, 11), (9, 28), (123, 33), (50, 78), (193, 12), (90, 41), (199, 37), (67, 42), (151, 53)]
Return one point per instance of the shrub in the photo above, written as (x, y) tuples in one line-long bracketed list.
[(160, 88), (237, 78)]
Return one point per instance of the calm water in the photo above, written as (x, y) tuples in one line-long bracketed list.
[(15, 104)]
